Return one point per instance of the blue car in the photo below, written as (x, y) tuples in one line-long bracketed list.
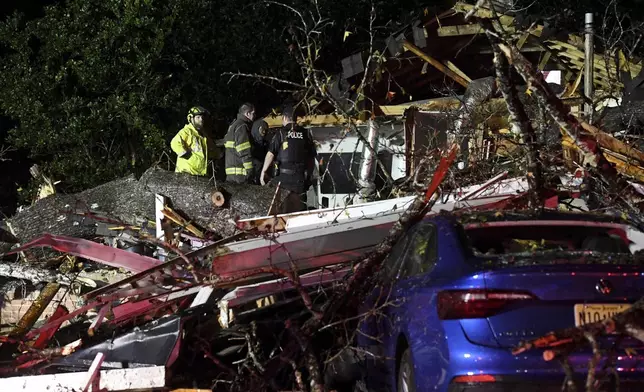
[(461, 291)]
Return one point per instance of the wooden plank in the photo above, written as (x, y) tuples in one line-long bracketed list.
[(525, 49), (459, 30), (442, 104), (523, 40), (435, 63), (181, 221), (575, 84), (574, 44), (324, 120), (484, 13), (544, 60), (451, 66), (605, 74)]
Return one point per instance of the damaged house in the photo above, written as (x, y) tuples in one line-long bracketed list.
[(149, 283)]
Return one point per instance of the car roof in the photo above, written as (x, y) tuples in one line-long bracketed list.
[(467, 217)]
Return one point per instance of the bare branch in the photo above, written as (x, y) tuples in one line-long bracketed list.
[(257, 76), (4, 151)]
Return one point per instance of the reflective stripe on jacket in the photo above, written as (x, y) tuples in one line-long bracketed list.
[(239, 162), (197, 161)]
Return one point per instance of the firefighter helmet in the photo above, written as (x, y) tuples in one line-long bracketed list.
[(196, 111)]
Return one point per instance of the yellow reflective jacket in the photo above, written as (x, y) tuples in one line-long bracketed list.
[(197, 161)]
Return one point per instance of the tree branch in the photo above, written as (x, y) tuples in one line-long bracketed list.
[(257, 76)]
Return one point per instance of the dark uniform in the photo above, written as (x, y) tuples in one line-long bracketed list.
[(260, 139), (294, 150), (239, 161)]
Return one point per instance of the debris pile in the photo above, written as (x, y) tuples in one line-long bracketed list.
[(171, 281)]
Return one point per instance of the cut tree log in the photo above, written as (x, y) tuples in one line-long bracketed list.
[(131, 201)]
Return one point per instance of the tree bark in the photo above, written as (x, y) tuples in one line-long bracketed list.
[(132, 201), (519, 119)]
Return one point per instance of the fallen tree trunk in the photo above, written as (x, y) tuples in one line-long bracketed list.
[(192, 197), (132, 201), (32, 273)]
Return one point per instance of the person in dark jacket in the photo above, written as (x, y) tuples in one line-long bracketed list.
[(293, 149), (260, 136), (239, 160)]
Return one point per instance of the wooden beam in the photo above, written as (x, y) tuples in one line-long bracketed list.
[(439, 104), (459, 30), (523, 40), (435, 63), (484, 13), (579, 57), (525, 49), (544, 60), (322, 120), (575, 85), (448, 104), (451, 66), (575, 43)]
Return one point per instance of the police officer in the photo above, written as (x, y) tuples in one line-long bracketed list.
[(239, 161), (191, 144), (293, 149)]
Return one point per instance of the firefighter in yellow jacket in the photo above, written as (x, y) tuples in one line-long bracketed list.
[(191, 144)]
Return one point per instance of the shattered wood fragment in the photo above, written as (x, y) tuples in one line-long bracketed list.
[(181, 221), (571, 126), (99, 319)]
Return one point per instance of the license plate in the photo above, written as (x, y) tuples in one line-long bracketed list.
[(592, 313)]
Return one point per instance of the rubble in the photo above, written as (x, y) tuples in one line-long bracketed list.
[(172, 272)]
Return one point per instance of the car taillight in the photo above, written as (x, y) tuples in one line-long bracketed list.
[(474, 379), (464, 304)]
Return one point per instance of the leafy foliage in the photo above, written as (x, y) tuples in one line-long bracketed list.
[(97, 87)]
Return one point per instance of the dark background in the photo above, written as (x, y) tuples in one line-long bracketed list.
[(15, 172)]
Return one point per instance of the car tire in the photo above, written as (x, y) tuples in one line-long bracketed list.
[(405, 381)]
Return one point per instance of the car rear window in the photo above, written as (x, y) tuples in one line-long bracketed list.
[(539, 237)]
